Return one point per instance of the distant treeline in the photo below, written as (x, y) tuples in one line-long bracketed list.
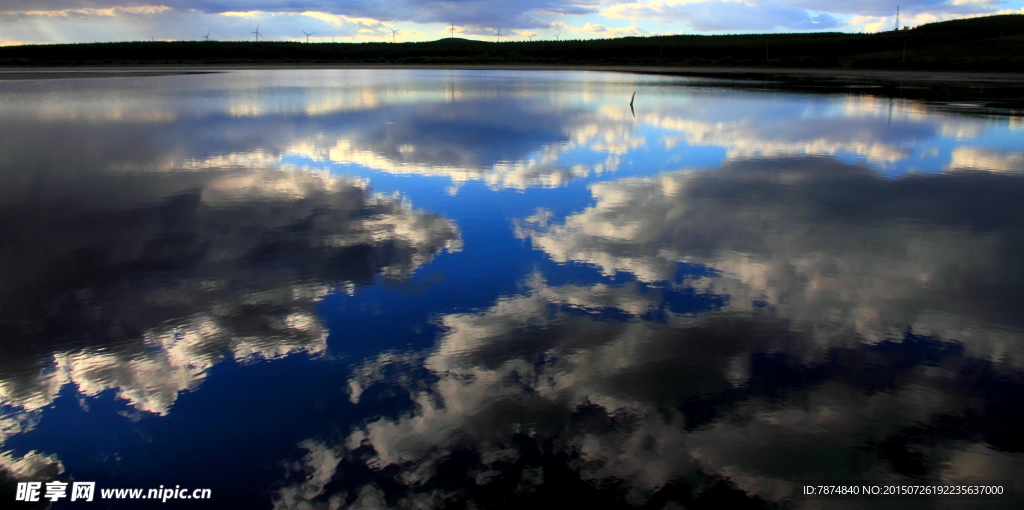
[(994, 43)]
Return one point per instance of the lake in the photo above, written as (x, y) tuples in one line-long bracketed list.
[(307, 289)]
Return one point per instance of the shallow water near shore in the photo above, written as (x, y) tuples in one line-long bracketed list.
[(492, 289)]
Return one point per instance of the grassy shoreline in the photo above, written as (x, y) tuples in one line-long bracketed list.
[(986, 44)]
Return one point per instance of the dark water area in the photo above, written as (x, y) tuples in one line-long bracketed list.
[(488, 289), (962, 93)]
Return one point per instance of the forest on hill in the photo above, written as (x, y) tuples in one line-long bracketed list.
[(992, 43)]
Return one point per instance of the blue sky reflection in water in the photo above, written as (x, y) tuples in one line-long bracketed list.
[(448, 289)]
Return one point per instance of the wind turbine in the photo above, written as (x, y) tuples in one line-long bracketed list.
[(257, 32), (307, 35), (531, 37), (207, 36), (452, 30), (631, 104), (556, 36), (393, 32), (499, 35)]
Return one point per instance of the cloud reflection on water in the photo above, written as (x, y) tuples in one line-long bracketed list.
[(976, 158), (821, 242), (852, 327), (144, 295), (505, 130), (840, 324), (507, 142), (544, 391)]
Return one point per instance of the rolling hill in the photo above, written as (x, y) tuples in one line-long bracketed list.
[(993, 43)]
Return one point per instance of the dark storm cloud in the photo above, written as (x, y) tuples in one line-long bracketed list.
[(484, 13), (478, 13), (58, 5)]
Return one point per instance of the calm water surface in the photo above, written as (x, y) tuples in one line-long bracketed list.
[(470, 289)]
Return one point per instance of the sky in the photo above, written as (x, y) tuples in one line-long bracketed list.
[(76, 21)]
